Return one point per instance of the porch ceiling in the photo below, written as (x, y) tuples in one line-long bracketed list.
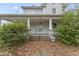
[(39, 20)]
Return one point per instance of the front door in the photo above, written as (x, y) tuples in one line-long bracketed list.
[(39, 29)]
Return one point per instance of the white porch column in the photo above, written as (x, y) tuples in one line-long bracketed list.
[(29, 29), (28, 23), (51, 30), (50, 24)]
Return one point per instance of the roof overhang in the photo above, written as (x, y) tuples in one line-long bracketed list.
[(31, 7), (25, 17)]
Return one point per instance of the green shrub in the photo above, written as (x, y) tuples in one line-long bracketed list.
[(68, 29), (14, 34)]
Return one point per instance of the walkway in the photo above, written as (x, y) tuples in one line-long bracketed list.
[(47, 48), (35, 48)]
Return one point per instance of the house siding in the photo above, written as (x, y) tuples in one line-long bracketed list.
[(46, 10)]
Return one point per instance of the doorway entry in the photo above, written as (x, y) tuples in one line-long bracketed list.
[(40, 30)]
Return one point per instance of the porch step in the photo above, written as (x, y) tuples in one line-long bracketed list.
[(44, 38)]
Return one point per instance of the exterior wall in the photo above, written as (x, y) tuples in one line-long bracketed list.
[(32, 11), (46, 10), (44, 28)]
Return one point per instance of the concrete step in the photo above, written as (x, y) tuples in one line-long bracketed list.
[(45, 38)]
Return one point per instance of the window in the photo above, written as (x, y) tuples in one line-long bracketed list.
[(54, 11), (54, 25)]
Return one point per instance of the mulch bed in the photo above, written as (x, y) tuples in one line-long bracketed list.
[(38, 48)]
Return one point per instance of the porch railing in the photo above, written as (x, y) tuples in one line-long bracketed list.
[(39, 34)]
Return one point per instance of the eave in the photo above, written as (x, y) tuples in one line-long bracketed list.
[(24, 17)]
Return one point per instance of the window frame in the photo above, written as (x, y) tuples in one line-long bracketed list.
[(53, 10)]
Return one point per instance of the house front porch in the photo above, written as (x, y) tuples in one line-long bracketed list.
[(38, 25), (41, 29)]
